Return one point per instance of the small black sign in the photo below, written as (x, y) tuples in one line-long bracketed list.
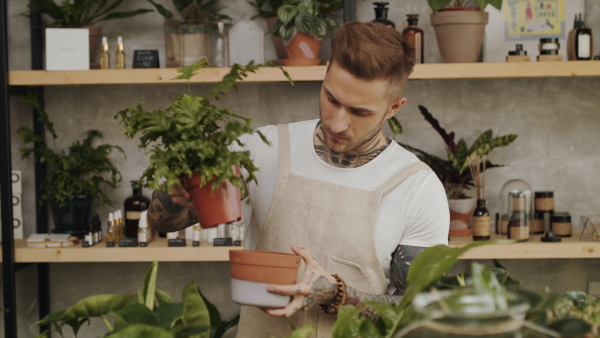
[(237, 243), (195, 243), (223, 241), (143, 244), (85, 244), (128, 242), (177, 242), (145, 58), (110, 244)]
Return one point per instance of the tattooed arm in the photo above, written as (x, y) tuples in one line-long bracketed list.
[(174, 212), (319, 287)]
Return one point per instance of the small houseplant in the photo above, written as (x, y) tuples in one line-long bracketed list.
[(151, 313), (302, 21), (454, 171), (75, 177), (83, 13), (188, 31), (459, 26), (189, 141)]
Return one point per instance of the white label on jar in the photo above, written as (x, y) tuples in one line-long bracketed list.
[(481, 225), (549, 46), (544, 203), (133, 215), (583, 46), (561, 229), (519, 233)]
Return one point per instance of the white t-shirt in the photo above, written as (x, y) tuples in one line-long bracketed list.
[(415, 213)]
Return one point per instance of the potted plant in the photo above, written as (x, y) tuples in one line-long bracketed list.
[(188, 32), (459, 26), (189, 141), (302, 23), (75, 178), (83, 14), (151, 313), (454, 172)]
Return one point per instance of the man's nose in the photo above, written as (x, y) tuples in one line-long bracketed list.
[(339, 123)]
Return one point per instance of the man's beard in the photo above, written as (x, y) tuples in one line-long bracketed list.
[(351, 148)]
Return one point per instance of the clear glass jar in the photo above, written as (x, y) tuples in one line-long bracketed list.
[(516, 207)]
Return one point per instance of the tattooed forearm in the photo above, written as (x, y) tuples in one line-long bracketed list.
[(166, 216), (352, 159), (401, 259), (322, 292)]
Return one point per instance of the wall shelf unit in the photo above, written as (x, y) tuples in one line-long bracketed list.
[(308, 73)]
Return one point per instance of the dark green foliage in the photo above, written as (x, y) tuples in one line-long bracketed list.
[(437, 5), (454, 172), (311, 17), (192, 135), (80, 13), (192, 11), (84, 169), (152, 313)]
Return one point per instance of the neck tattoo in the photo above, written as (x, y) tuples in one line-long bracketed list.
[(353, 159)]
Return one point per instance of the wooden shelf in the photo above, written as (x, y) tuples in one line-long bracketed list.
[(533, 249), (308, 73), (157, 250)]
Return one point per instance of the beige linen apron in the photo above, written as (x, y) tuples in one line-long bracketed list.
[(336, 223)]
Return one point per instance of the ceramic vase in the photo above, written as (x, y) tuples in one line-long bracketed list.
[(252, 271), (459, 34)]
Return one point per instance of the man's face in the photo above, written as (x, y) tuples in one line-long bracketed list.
[(353, 110)]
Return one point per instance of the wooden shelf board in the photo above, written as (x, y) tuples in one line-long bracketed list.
[(533, 249), (308, 73), (157, 250)]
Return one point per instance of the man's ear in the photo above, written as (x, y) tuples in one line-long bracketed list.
[(395, 106)]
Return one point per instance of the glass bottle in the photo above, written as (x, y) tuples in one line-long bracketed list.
[(134, 205), (104, 54), (414, 36), (481, 222), (120, 54), (381, 12)]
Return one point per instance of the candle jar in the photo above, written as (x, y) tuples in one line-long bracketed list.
[(561, 224), (537, 226), (516, 208), (544, 201)]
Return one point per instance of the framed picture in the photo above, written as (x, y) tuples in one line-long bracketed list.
[(525, 22)]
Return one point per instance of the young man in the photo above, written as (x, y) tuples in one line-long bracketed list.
[(364, 206)]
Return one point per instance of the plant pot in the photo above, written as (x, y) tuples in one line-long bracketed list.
[(214, 207), (185, 44), (303, 46), (253, 270), (459, 34), (95, 39), (460, 216), (277, 40), (73, 217)]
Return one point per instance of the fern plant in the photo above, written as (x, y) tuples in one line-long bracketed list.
[(454, 171), (193, 135)]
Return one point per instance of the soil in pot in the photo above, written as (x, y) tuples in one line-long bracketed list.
[(252, 271), (214, 207)]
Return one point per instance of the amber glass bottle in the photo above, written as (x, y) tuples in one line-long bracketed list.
[(134, 205), (414, 36), (481, 222), (381, 12)]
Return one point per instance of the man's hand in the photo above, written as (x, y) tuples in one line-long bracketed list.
[(180, 196), (171, 212), (316, 287)]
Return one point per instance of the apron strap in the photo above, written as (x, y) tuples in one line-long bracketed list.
[(402, 175), (284, 148)]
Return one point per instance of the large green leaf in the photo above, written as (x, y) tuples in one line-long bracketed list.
[(136, 314), (150, 286), (347, 323), (168, 314), (142, 331), (286, 13), (195, 313), (395, 125)]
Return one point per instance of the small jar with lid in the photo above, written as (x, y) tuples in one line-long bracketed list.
[(561, 224), (518, 228), (537, 226), (549, 48), (544, 201)]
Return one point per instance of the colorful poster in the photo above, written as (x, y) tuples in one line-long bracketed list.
[(527, 19)]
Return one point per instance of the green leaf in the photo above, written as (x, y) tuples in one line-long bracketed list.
[(303, 332), (286, 13), (436, 5), (167, 314), (195, 313), (150, 286), (93, 306), (162, 10), (395, 125), (187, 72), (347, 323), (142, 331), (136, 314), (162, 297)]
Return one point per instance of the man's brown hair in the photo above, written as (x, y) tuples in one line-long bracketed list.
[(373, 51)]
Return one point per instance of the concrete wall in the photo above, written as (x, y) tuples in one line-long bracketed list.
[(557, 120)]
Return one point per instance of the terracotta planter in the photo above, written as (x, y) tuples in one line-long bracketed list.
[(459, 34), (460, 216), (214, 207), (303, 46), (252, 271), (277, 40)]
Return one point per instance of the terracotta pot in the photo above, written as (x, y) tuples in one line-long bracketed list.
[(303, 46), (214, 207), (459, 34), (460, 216), (252, 271)]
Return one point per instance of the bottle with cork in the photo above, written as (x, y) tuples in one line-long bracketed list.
[(481, 216)]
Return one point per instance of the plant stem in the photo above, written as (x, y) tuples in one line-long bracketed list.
[(110, 328), (290, 322)]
